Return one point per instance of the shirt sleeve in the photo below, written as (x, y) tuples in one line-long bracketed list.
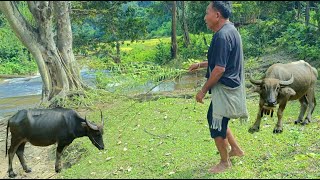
[(221, 52)]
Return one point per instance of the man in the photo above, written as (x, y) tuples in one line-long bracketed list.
[(225, 81)]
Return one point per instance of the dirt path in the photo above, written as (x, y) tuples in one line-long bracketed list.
[(40, 159)]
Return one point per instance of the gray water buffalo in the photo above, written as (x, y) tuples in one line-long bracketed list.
[(283, 83), (43, 127)]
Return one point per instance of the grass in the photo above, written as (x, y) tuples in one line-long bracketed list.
[(169, 138)]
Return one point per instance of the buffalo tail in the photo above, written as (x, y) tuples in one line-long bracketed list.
[(7, 139)]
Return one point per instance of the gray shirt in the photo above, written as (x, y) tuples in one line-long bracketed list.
[(225, 50)]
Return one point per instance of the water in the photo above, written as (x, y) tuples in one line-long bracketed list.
[(19, 93)]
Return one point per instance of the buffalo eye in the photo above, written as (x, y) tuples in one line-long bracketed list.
[(277, 88)]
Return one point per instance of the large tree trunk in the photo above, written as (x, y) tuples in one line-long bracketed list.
[(299, 9), (307, 16), (174, 46), (55, 59), (185, 26)]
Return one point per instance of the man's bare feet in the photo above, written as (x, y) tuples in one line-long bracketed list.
[(238, 153), (221, 167)]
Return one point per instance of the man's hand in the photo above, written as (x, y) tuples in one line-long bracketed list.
[(194, 66), (200, 95)]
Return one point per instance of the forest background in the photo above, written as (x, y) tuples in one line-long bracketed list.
[(142, 41)]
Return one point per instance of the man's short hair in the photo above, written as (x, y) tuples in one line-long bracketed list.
[(224, 7)]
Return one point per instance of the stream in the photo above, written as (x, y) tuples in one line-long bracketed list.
[(20, 93)]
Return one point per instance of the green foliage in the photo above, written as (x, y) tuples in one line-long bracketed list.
[(301, 40), (23, 68), (163, 31), (14, 57), (197, 48), (163, 55), (108, 24), (257, 37), (244, 11), (196, 10)]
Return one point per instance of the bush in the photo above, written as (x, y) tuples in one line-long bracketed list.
[(300, 40), (257, 37), (197, 48), (14, 57), (162, 55)]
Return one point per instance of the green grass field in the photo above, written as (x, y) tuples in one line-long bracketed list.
[(169, 138)]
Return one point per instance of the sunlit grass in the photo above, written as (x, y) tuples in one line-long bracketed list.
[(169, 138)]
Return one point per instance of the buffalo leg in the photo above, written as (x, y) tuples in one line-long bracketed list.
[(19, 153), (256, 125), (311, 105), (58, 157), (303, 107), (11, 152), (278, 128)]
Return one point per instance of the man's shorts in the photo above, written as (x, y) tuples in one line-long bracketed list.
[(215, 132)]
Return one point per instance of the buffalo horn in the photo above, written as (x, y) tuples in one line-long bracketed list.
[(286, 83), (90, 125), (254, 81)]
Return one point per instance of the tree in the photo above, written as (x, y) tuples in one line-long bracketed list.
[(184, 25), (174, 45), (49, 39), (307, 16), (113, 21)]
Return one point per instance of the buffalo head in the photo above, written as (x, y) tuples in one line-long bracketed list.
[(270, 88), (95, 132)]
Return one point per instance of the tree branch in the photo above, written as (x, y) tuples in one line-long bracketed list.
[(20, 26)]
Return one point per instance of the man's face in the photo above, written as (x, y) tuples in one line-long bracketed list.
[(212, 17)]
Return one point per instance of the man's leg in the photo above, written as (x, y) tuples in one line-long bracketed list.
[(221, 142), (224, 163), (235, 149)]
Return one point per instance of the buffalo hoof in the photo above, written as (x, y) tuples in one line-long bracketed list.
[(12, 174), (58, 170), (297, 121), (277, 130), (304, 123), (28, 170), (253, 129)]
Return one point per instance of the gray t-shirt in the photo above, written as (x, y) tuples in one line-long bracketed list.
[(225, 50)]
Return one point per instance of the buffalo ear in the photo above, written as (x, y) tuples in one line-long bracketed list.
[(287, 91)]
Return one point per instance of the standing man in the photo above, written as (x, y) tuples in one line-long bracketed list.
[(225, 81)]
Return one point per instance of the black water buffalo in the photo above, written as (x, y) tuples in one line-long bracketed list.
[(43, 127), (283, 83)]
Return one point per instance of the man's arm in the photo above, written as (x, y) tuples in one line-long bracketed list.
[(216, 74), (198, 65)]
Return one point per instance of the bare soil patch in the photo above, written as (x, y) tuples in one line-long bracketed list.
[(40, 159)]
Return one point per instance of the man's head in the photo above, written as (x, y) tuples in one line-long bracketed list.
[(217, 13)]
